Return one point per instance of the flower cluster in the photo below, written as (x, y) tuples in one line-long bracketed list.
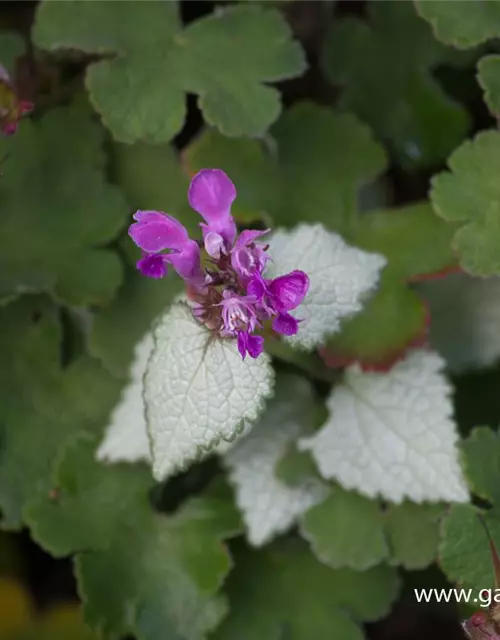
[(12, 108), (228, 291)]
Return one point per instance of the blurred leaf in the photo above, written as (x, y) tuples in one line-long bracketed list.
[(414, 240), (12, 46), (264, 2), (249, 163), (296, 467), (118, 327), (482, 463), (151, 178), (43, 405), (413, 533), (268, 506), (462, 24), (391, 321), (416, 243), (464, 550), (126, 437), (324, 159), (141, 572), (57, 210), (314, 173), (346, 530), (140, 90), (267, 603), (385, 66), (469, 193), (465, 314), (489, 78)]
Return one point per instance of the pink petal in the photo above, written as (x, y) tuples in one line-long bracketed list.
[(187, 263), (285, 324), (242, 344), (153, 265), (256, 287), (288, 291), (248, 236), (214, 244), (255, 346), (211, 194), (155, 231), (225, 228)]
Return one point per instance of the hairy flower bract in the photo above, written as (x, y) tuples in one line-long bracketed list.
[(227, 288)]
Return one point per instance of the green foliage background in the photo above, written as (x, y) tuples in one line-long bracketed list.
[(382, 126)]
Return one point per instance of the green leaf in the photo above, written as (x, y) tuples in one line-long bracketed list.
[(140, 90), (482, 463), (324, 159), (414, 240), (268, 603), (391, 321), (296, 467), (488, 77), (58, 210), (470, 194), (138, 572), (346, 530), (12, 46), (385, 66), (118, 327), (43, 405), (462, 24), (416, 243), (413, 533), (464, 549), (249, 163), (151, 178)]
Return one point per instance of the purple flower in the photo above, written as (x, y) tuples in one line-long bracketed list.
[(238, 313), (154, 232), (153, 265), (211, 194), (253, 345), (278, 296), (247, 256), (230, 296)]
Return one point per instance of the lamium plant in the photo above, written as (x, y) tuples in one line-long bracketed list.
[(250, 314), (230, 295)]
